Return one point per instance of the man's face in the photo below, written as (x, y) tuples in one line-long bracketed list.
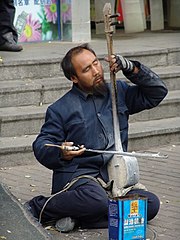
[(89, 71)]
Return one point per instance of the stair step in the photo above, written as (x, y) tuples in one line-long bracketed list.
[(30, 69), (47, 90), (169, 74), (16, 151), (35, 68), (142, 135), (17, 121), (157, 57), (32, 92), (147, 134), (166, 109)]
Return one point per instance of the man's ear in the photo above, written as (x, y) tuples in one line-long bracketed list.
[(74, 79)]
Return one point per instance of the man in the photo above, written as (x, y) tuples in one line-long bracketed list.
[(83, 117), (8, 33)]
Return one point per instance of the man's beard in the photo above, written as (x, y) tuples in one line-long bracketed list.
[(100, 88)]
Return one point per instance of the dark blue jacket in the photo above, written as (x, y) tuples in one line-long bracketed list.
[(87, 120)]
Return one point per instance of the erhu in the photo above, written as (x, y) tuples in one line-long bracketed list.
[(123, 170)]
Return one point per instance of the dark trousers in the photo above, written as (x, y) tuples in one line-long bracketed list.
[(88, 204), (7, 13)]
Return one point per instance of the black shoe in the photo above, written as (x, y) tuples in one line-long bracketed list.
[(11, 47), (10, 44)]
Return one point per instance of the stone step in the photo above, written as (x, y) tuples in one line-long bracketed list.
[(46, 90), (32, 92), (16, 151), (169, 74), (17, 121), (30, 69), (157, 57), (22, 120), (168, 108), (152, 58), (154, 133), (142, 135), (50, 67)]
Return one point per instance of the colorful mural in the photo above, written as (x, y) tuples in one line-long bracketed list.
[(37, 20)]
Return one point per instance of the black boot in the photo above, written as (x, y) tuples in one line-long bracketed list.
[(10, 44)]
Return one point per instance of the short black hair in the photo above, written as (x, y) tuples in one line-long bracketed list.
[(66, 63)]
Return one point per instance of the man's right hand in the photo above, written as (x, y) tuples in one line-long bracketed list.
[(70, 154)]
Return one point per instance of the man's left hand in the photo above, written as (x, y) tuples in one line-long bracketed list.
[(118, 62)]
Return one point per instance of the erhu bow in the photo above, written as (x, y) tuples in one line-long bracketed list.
[(123, 170)]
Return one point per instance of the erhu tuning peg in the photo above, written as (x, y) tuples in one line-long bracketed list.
[(99, 21), (114, 24), (115, 15)]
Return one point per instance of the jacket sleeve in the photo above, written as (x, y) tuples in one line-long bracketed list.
[(51, 132), (147, 91)]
